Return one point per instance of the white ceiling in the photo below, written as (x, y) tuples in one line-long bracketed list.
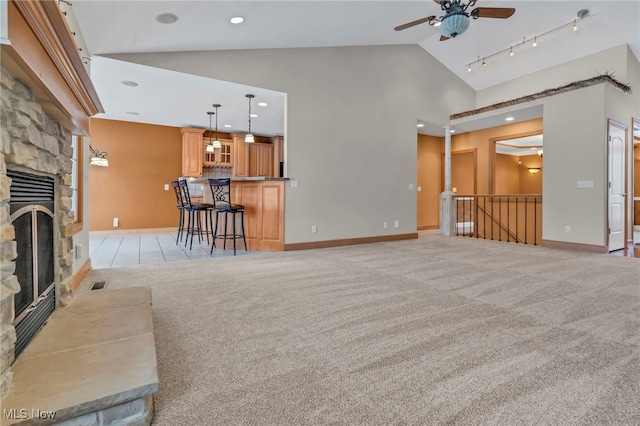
[(174, 99)]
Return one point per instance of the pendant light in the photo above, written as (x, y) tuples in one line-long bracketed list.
[(216, 142), (249, 137), (209, 147)]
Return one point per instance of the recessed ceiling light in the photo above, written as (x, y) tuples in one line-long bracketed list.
[(254, 115), (129, 83), (133, 113), (452, 131), (509, 119), (167, 18), (236, 20), (262, 104), (227, 125), (420, 125)]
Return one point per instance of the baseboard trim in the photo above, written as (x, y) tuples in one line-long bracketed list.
[(428, 227), (133, 231), (563, 245), (349, 241), (81, 273)]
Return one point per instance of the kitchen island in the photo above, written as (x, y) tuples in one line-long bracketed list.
[(263, 201)]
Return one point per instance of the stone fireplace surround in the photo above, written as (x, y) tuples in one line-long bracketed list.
[(31, 142)]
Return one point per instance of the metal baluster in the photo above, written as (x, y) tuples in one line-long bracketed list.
[(500, 219), (535, 222), (517, 239)]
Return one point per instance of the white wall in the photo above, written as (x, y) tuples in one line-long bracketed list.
[(350, 128), (82, 237)]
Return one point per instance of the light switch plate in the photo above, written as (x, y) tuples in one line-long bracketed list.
[(294, 183), (585, 184)]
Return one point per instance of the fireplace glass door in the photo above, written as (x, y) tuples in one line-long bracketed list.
[(31, 206)]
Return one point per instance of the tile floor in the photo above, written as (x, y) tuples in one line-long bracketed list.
[(115, 250)]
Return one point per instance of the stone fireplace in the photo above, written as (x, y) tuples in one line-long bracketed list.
[(33, 144)]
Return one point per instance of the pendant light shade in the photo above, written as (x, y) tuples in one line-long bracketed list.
[(249, 136), (216, 142)]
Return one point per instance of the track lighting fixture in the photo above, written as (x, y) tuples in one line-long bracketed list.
[(582, 14)]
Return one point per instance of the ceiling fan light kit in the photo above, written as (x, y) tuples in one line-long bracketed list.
[(455, 20)]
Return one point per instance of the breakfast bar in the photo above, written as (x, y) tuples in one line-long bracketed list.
[(263, 201)]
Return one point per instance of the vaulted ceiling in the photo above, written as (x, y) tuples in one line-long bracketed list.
[(111, 27)]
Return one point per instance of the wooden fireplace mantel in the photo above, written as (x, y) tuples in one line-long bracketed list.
[(39, 50)]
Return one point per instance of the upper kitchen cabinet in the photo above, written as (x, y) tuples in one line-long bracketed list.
[(220, 157), (261, 159), (192, 152)]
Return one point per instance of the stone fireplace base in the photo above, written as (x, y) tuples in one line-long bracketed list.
[(104, 372)]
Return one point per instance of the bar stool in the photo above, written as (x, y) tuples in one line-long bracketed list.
[(194, 219), (181, 208), (221, 195)]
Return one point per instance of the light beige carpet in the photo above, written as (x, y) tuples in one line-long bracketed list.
[(430, 331)]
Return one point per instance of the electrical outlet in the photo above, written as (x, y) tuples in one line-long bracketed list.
[(78, 251), (411, 186), (294, 183), (419, 188), (115, 222), (386, 225), (314, 228), (166, 186), (396, 224), (567, 229)]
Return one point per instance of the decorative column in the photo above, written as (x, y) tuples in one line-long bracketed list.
[(447, 205)]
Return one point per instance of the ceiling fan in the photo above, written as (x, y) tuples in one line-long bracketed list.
[(455, 20)]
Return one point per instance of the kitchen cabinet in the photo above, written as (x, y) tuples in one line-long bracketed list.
[(261, 159), (278, 154), (221, 157), (192, 149), (240, 156)]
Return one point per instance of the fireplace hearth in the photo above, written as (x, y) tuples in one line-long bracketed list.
[(31, 209)]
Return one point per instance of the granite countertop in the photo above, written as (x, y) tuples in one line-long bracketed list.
[(269, 178), (259, 178)]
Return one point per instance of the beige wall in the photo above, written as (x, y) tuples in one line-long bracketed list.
[(357, 176), (142, 159)]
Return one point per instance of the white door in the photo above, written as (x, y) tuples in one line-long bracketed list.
[(617, 142)]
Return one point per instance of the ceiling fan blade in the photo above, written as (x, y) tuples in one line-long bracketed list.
[(413, 23), (492, 12), (443, 38)]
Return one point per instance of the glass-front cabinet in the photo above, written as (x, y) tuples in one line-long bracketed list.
[(220, 157)]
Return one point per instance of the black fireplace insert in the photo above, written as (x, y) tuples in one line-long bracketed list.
[(31, 206)]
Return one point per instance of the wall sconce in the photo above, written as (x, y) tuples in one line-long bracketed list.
[(534, 170), (98, 158), (540, 152)]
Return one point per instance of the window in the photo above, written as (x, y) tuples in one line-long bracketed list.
[(76, 182)]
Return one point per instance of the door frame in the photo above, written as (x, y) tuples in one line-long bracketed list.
[(624, 128), (635, 122)]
